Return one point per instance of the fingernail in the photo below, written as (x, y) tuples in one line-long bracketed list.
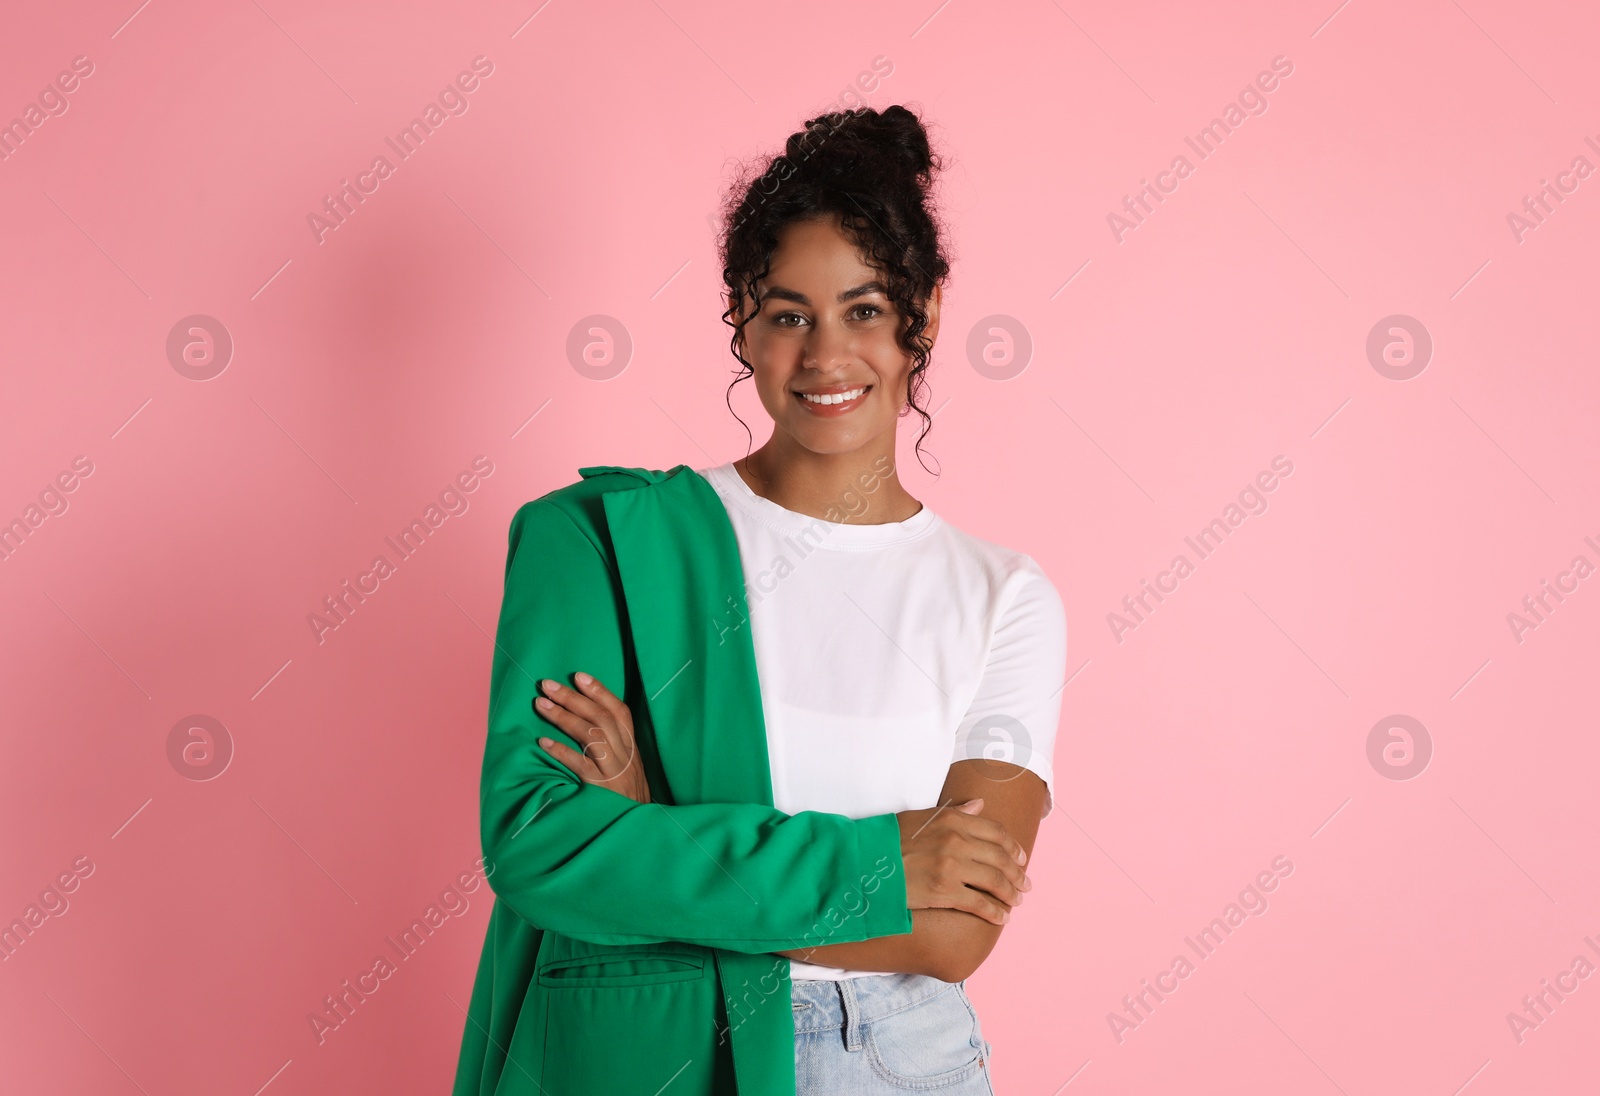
[(547, 685), (1005, 916), (546, 742), (542, 704), (582, 678), (1027, 884), (1020, 897)]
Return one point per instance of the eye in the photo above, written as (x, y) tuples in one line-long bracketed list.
[(781, 317), (871, 308)]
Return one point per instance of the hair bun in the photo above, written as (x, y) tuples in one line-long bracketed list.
[(902, 134), (838, 144)]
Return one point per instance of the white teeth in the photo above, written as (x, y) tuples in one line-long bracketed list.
[(837, 397)]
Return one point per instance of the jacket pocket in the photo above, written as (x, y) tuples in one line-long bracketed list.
[(637, 965), (662, 998)]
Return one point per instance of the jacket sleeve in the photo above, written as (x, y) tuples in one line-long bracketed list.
[(588, 862)]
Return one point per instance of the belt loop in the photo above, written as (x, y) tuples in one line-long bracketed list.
[(852, 1013)]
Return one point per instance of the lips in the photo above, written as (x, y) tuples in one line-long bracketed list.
[(834, 395), (834, 405)]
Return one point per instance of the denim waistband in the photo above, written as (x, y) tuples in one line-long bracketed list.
[(827, 1004)]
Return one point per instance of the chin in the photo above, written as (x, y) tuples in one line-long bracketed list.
[(831, 442)]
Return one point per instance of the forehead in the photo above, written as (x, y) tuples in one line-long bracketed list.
[(818, 251)]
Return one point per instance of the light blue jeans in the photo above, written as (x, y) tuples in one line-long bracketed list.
[(887, 1033)]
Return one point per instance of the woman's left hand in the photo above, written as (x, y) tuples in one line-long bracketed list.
[(600, 721)]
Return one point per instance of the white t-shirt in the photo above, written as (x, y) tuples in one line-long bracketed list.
[(887, 652)]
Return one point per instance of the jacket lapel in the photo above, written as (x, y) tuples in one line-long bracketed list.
[(684, 585)]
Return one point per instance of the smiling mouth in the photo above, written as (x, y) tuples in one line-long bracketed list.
[(834, 399)]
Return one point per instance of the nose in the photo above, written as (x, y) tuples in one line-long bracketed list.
[(830, 348)]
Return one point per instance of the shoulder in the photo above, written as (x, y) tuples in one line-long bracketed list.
[(1010, 592), (576, 512), (1009, 575), (580, 501)]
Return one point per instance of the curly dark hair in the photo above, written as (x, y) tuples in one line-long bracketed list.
[(874, 170)]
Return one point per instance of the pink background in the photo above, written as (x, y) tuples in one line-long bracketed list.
[(1167, 370)]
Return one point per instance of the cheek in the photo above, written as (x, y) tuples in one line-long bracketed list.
[(769, 382), (765, 350), (888, 359), (773, 361)]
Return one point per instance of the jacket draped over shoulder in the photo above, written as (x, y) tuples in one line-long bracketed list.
[(630, 944)]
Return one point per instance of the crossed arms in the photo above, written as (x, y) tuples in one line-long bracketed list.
[(578, 858)]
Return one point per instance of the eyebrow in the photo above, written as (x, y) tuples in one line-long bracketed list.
[(862, 290)]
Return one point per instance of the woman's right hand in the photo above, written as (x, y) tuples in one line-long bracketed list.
[(957, 860)]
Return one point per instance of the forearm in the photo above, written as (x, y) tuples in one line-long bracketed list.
[(947, 944), (597, 866)]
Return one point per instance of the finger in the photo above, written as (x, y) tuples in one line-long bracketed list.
[(607, 739), (599, 747), (985, 867), (990, 910), (587, 770), (996, 883), (998, 857), (572, 700), (568, 721), (982, 841), (592, 736), (994, 831), (574, 760), (618, 729), (978, 903), (591, 687)]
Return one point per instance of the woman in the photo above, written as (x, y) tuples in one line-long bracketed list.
[(767, 862)]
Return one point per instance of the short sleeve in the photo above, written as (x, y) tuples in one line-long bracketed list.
[(1017, 709)]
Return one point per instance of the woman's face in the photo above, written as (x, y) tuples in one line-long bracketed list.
[(825, 326)]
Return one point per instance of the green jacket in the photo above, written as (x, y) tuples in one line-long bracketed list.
[(628, 950)]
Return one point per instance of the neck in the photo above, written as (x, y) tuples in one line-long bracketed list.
[(858, 488)]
